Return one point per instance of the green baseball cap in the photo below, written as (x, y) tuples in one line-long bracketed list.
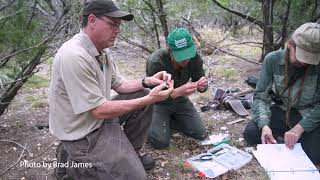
[(307, 39), (181, 44)]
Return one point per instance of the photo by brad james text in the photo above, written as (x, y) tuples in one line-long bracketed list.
[(54, 164)]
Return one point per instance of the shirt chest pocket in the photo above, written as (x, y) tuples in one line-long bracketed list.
[(279, 84)]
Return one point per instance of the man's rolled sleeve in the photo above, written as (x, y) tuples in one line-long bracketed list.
[(117, 80)]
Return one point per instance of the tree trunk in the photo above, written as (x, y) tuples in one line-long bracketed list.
[(11, 92), (162, 18), (267, 9), (284, 33)]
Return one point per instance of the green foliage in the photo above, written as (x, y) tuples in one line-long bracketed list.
[(36, 82), (37, 102), (20, 124), (50, 61), (196, 8), (184, 168), (206, 13), (300, 12), (18, 32), (228, 73), (172, 148)]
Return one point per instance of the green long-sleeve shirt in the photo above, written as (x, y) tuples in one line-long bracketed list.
[(271, 78)]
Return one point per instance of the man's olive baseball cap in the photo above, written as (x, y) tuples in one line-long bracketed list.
[(307, 40), (181, 44), (108, 8)]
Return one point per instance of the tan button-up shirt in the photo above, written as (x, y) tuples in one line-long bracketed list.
[(78, 85)]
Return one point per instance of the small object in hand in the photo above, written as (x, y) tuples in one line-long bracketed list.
[(167, 86)]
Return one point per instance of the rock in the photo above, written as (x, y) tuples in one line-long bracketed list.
[(163, 163), (176, 135), (249, 149), (186, 153), (223, 128)]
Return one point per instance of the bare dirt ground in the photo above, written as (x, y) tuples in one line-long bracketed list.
[(23, 123)]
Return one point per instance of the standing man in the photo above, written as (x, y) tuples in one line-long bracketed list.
[(83, 116), (286, 104), (177, 112)]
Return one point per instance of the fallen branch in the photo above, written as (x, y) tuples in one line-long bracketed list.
[(234, 55), (134, 44), (245, 42), (30, 153), (24, 148), (246, 17), (235, 121), (41, 153), (5, 6)]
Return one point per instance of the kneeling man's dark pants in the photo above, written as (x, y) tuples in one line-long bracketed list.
[(180, 115)]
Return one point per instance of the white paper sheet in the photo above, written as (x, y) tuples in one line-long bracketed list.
[(282, 163)]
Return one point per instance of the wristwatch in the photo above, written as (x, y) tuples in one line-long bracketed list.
[(144, 83)]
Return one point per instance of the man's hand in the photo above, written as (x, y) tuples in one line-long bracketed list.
[(185, 90), (266, 136), (158, 78), (292, 136), (161, 92), (202, 84)]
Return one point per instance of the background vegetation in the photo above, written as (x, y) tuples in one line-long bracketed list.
[(32, 30)]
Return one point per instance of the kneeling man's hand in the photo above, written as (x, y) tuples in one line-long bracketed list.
[(158, 79), (202, 84), (161, 92)]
